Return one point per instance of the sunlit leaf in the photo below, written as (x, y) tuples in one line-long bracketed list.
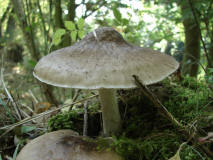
[(80, 24), (81, 34), (26, 129), (125, 21), (117, 14), (70, 25), (74, 35), (58, 34), (177, 155)]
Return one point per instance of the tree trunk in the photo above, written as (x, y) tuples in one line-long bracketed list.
[(71, 10), (210, 56), (28, 34), (190, 64), (58, 15), (29, 39), (11, 27)]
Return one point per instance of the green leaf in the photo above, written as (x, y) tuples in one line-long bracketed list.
[(16, 151), (74, 35), (80, 24), (125, 21), (70, 25), (210, 70), (57, 36), (117, 14), (32, 62), (0, 157), (81, 34), (26, 129)]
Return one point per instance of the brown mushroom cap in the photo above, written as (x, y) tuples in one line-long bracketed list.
[(103, 59), (64, 145)]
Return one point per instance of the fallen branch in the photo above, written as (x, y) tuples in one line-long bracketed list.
[(146, 91)]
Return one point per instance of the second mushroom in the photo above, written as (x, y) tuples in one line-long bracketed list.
[(103, 60)]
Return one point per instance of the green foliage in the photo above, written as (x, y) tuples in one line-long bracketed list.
[(80, 24), (73, 35), (157, 147), (75, 31), (26, 129), (58, 35), (70, 25), (66, 120), (189, 153), (117, 14), (209, 76)]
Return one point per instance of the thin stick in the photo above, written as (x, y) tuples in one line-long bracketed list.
[(32, 95), (156, 102), (85, 127), (44, 113)]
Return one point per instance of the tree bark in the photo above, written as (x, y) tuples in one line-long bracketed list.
[(190, 64), (210, 61), (71, 10), (58, 15)]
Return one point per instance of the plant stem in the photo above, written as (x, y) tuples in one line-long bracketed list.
[(110, 111)]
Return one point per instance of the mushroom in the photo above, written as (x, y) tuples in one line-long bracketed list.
[(103, 60), (64, 145)]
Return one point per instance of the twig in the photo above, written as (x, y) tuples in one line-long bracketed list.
[(27, 107), (32, 95), (76, 95), (85, 127), (44, 113)]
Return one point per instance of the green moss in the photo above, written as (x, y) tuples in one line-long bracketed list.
[(67, 120), (188, 99)]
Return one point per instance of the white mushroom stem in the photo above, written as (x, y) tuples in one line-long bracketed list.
[(110, 111)]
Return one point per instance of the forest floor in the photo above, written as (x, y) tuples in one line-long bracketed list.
[(146, 134)]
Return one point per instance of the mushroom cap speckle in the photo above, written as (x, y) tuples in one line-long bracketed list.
[(64, 145), (103, 59)]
